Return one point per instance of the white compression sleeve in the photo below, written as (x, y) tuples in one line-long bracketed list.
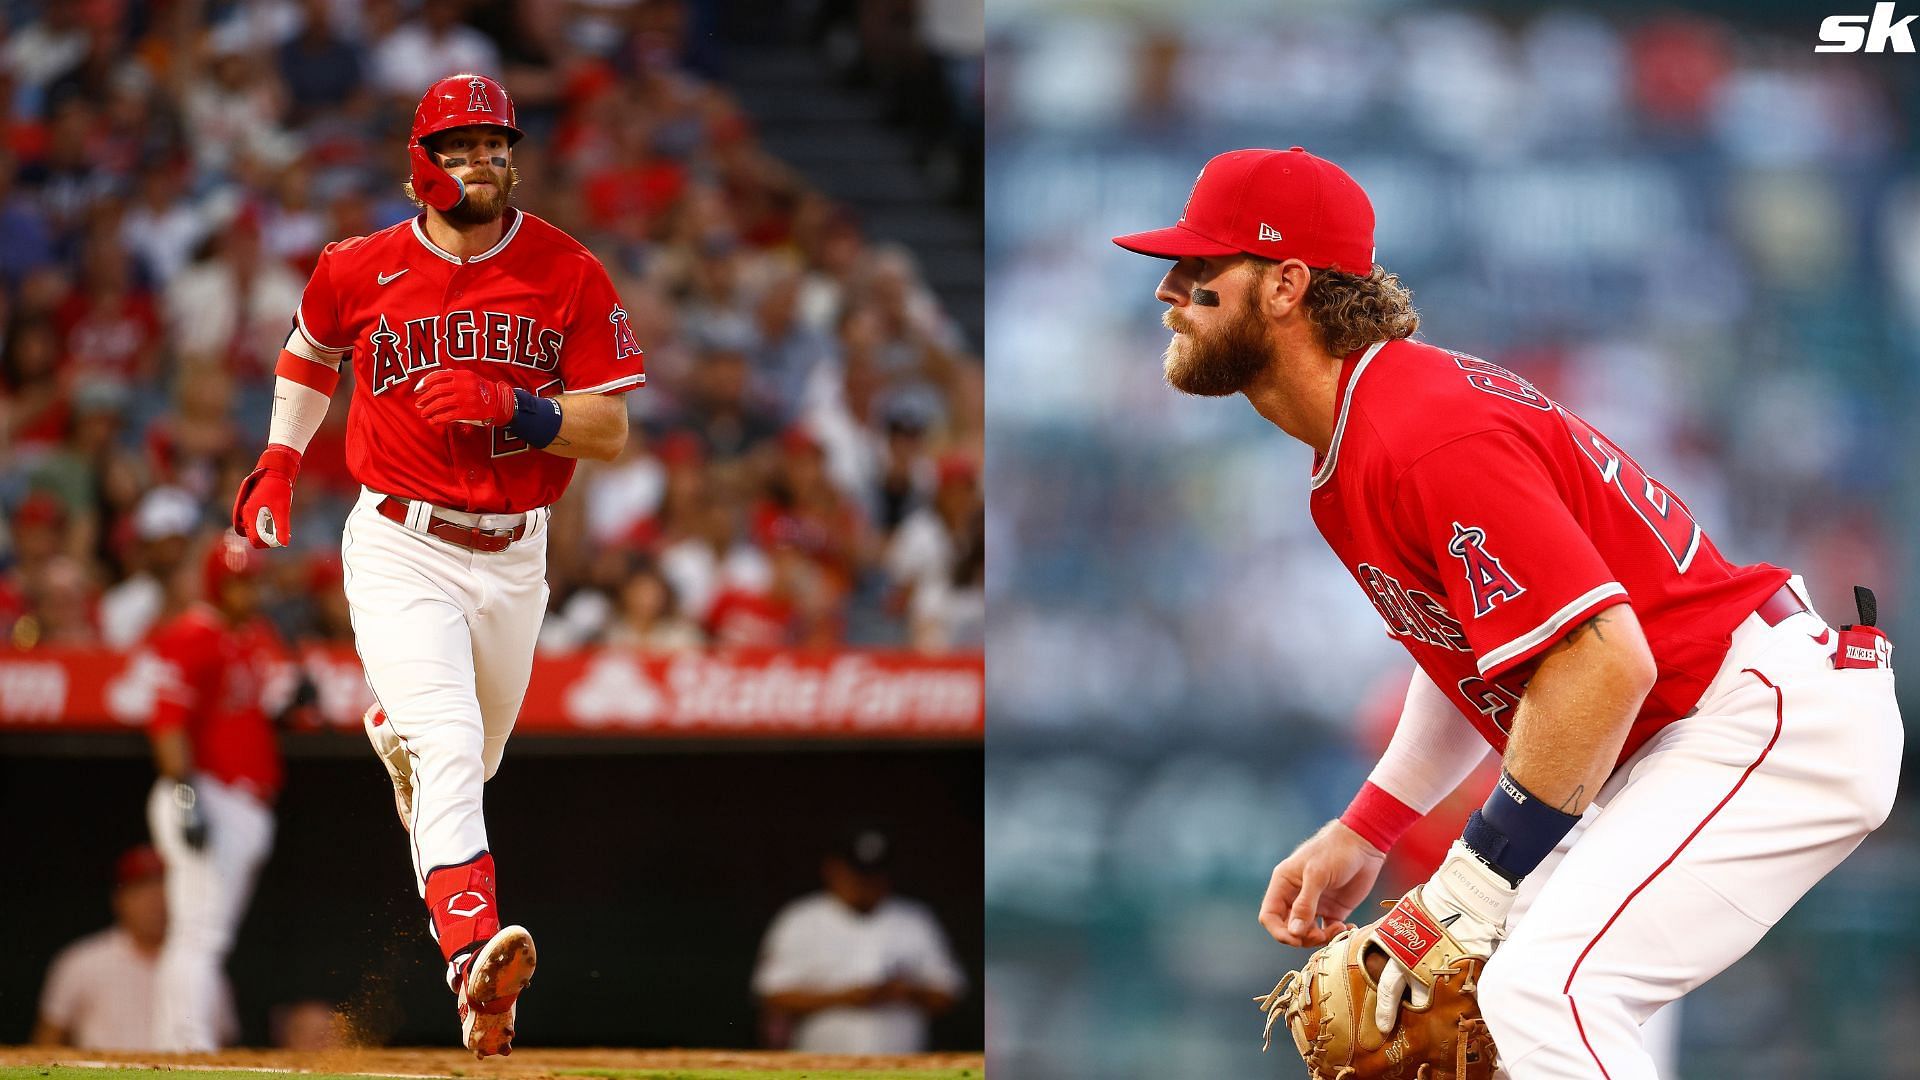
[(298, 409), (1432, 750)]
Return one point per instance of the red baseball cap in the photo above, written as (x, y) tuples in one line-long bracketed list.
[(1278, 204), (137, 864), (228, 557)]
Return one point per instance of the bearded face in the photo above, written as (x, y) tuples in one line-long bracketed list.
[(470, 153), (1219, 362), (488, 190)]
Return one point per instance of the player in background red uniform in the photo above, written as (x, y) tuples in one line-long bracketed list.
[(211, 811), (488, 351), (1687, 746)]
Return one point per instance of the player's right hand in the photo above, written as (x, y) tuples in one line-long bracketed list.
[(1325, 878), (461, 396), (263, 509)]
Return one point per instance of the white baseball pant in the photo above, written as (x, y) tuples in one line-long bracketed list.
[(446, 636), (1695, 847)]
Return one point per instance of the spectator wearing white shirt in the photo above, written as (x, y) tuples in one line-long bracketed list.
[(931, 543), (162, 227), (163, 522), (433, 46), (853, 969), (233, 304), (40, 52), (99, 993)]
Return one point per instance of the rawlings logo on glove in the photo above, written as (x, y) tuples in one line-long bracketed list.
[(1407, 933)]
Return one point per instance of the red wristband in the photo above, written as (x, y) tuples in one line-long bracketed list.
[(281, 459), (1379, 818)]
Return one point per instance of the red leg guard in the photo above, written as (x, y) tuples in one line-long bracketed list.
[(460, 901)]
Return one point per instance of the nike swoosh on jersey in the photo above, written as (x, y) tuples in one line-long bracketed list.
[(384, 278)]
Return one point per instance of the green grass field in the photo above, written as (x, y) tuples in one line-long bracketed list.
[(72, 1073)]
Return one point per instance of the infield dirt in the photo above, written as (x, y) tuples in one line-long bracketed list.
[(531, 1063)]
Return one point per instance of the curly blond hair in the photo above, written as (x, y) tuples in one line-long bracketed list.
[(1352, 311)]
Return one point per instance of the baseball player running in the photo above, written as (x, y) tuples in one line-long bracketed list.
[(1687, 746), (488, 352), (211, 809)]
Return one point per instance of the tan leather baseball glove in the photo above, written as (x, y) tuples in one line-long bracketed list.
[(1329, 1004)]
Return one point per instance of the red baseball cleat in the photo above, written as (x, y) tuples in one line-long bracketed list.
[(490, 991)]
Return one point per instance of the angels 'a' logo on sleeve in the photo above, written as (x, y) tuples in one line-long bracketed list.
[(624, 344), (1488, 580)]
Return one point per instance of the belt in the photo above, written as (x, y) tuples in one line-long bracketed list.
[(1777, 608), (466, 536)]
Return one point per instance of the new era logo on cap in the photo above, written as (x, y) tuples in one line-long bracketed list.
[(1277, 204)]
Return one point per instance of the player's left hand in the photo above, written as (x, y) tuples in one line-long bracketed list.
[(458, 395), (1467, 898)]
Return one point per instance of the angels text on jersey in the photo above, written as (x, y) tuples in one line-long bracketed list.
[(496, 337)]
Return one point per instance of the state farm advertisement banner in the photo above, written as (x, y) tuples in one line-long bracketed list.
[(854, 694)]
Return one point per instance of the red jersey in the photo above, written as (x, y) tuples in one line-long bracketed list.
[(106, 339), (536, 310), (1484, 520), (215, 679)]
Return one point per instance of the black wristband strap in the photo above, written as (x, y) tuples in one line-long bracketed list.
[(1514, 832), (535, 418)]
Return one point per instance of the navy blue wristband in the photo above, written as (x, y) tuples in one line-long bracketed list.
[(535, 418), (1515, 830)]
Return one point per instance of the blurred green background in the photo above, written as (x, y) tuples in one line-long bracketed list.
[(1684, 222)]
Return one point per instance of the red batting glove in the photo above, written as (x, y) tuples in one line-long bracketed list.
[(459, 395), (263, 510)]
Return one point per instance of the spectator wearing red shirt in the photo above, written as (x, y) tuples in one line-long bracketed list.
[(800, 508), (108, 327)]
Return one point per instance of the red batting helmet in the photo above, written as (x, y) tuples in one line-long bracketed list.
[(459, 100), (230, 557)]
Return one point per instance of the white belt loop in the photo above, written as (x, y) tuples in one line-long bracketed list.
[(419, 515)]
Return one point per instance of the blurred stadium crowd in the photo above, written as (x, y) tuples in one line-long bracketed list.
[(804, 468), (1689, 226)]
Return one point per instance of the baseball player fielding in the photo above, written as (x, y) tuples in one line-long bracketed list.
[(1687, 745)]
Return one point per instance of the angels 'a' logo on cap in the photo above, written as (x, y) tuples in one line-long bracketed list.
[(1197, 177), (1269, 234), (477, 100)]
